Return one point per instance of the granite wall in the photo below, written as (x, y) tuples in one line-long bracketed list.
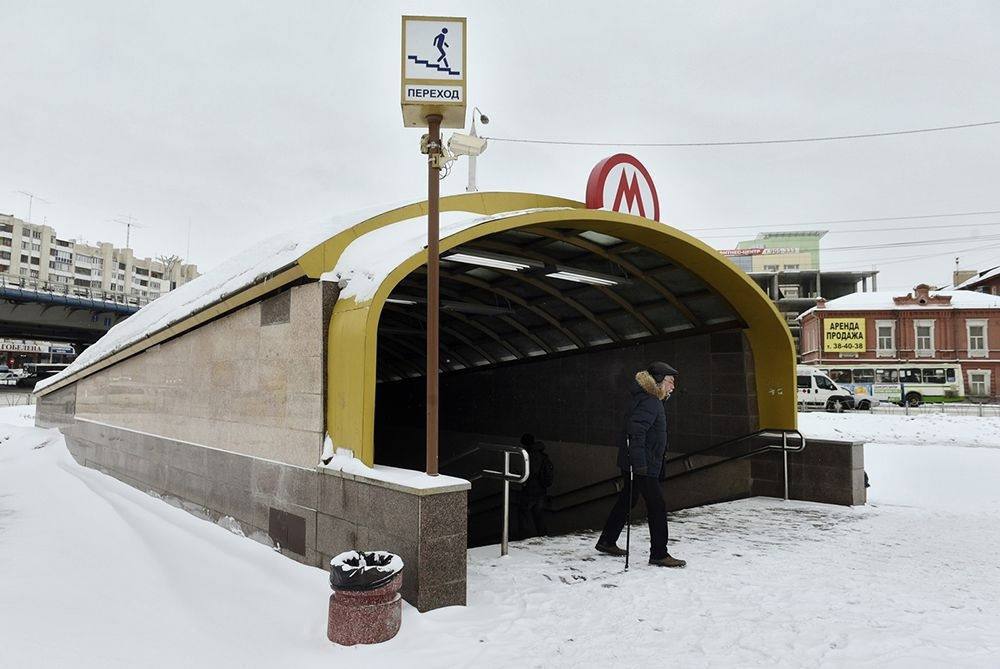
[(826, 471), (308, 514), (227, 422), (250, 382)]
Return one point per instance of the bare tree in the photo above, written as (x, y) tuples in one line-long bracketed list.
[(169, 263)]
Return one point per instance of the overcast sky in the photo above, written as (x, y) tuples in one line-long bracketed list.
[(243, 118)]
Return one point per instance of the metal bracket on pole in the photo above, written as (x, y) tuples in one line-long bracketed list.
[(507, 477)]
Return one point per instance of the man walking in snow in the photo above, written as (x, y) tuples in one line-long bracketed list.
[(646, 429)]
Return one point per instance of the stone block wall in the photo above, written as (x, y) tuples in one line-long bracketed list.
[(427, 528), (827, 471), (250, 382), (308, 514)]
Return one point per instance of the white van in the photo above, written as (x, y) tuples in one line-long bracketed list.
[(815, 390)]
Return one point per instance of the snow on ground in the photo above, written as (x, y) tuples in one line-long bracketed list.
[(933, 429), (96, 574)]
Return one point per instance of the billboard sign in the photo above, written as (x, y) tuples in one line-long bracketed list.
[(844, 335)]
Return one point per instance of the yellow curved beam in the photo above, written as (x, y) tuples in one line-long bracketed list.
[(353, 334), (324, 257)]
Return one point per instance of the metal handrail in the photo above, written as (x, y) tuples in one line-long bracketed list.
[(507, 477), (616, 480), (688, 469)]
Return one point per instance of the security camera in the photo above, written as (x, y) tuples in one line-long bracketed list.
[(466, 145), (484, 119)]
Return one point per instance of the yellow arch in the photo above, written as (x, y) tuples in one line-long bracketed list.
[(353, 332)]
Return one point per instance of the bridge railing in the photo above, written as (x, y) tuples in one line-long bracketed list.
[(70, 291)]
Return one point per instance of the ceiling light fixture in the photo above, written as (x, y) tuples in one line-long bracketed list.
[(582, 278), (491, 260)]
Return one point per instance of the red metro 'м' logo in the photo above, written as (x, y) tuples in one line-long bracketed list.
[(621, 183)]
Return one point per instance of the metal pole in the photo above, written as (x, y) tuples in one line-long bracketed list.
[(433, 257), (784, 460), (506, 504), (628, 513), (472, 187)]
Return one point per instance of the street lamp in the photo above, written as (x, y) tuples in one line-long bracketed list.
[(484, 119)]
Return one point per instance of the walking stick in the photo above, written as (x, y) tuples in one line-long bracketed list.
[(628, 513)]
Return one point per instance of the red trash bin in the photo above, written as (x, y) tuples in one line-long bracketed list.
[(365, 606)]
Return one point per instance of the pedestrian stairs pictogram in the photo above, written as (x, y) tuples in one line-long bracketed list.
[(433, 66)]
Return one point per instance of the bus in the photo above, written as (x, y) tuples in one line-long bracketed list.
[(901, 383)]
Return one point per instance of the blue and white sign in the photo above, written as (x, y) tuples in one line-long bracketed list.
[(433, 70)]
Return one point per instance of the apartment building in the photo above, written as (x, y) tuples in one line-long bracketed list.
[(36, 253)]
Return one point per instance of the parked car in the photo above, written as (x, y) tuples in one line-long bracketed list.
[(866, 402), (815, 390), (8, 377)]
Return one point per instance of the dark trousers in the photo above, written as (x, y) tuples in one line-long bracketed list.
[(656, 509), (530, 512)]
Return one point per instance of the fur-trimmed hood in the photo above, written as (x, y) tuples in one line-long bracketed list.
[(646, 382)]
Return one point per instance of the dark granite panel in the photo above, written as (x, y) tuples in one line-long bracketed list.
[(727, 342), (335, 535), (276, 309), (445, 514), (729, 384), (179, 455), (231, 468), (293, 485), (391, 511), (442, 560), (343, 498), (446, 594), (153, 473), (188, 486), (232, 501)]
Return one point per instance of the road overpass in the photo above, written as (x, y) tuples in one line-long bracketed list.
[(31, 309)]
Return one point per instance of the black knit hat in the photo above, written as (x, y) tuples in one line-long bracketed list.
[(659, 370)]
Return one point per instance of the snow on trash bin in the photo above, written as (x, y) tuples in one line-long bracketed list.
[(365, 606)]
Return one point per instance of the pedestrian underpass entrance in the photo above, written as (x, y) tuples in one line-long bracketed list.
[(542, 330)]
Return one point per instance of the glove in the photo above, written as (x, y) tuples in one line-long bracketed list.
[(639, 471)]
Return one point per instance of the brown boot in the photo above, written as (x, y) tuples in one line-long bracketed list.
[(610, 549), (667, 562)]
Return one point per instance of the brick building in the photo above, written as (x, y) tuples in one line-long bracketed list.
[(987, 281), (957, 326)]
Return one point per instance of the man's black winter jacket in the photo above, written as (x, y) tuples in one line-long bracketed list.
[(646, 427)]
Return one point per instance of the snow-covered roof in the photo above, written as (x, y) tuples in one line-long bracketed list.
[(960, 299), (369, 259), (365, 263), (243, 270), (982, 276)]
